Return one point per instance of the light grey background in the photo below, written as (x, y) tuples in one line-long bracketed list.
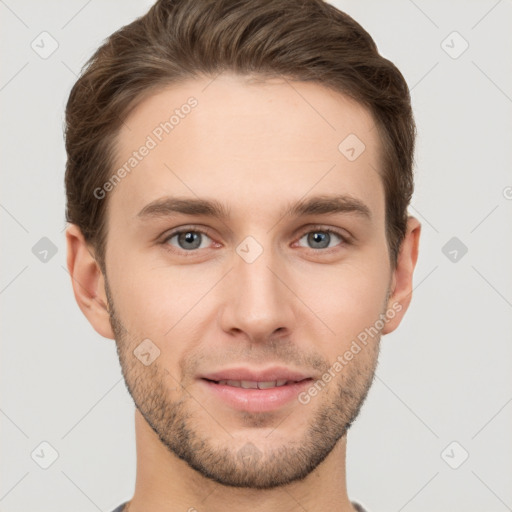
[(443, 376)]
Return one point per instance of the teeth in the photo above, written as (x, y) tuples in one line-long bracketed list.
[(247, 384), (267, 385), (250, 384)]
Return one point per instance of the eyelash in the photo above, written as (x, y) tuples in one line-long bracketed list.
[(345, 240)]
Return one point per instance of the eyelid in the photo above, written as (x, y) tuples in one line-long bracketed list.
[(181, 229)]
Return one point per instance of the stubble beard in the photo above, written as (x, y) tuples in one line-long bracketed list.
[(245, 465)]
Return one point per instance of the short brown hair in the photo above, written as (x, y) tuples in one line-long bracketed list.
[(176, 40)]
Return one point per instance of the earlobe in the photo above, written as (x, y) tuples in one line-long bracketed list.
[(401, 295), (88, 281)]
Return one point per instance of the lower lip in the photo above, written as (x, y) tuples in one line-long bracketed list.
[(256, 400)]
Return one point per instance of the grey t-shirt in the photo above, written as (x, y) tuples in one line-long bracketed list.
[(358, 507), (120, 508)]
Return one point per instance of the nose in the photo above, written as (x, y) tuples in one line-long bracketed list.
[(259, 303)]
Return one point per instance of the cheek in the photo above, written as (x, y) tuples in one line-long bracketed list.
[(350, 304), (151, 297), (349, 291)]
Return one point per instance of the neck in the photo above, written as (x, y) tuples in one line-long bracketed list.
[(165, 483)]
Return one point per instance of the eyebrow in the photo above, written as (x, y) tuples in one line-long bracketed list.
[(330, 204), (317, 205), (168, 206)]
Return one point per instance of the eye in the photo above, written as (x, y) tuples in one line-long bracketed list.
[(322, 239), (188, 239)]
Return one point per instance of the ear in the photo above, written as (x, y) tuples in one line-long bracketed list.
[(87, 281), (401, 287)]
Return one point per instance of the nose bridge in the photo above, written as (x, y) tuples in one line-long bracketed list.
[(258, 303)]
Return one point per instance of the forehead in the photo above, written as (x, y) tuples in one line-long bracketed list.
[(247, 142)]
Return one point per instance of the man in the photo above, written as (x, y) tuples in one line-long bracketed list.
[(238, 179)]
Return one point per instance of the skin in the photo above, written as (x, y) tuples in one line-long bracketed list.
[(256, 147)]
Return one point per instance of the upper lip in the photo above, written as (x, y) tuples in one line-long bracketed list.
[(247, 374)]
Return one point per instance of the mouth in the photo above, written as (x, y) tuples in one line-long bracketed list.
[(252, 384), (255, 391)]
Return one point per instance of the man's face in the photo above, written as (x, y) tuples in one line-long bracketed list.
[(263, 294)]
